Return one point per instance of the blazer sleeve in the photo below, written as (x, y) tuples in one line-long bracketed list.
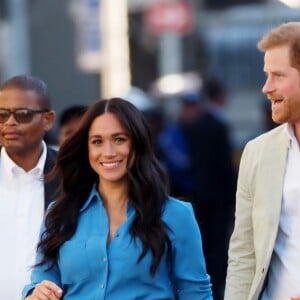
[(241, 256)]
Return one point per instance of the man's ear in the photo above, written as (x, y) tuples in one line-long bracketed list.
[(49, 118)]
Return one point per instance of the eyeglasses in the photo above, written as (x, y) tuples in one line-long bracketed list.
[(21, 115)]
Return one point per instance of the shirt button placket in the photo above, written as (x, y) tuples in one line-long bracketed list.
[(104, 260), (103, 278)]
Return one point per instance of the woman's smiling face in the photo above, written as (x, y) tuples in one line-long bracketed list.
[(109, 146)]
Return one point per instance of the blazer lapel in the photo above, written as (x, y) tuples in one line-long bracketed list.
[(268, 208), (50, 186), (277, 166)]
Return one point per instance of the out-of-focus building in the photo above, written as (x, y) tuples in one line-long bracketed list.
[(222, 44), (220, 41), (229, 42)]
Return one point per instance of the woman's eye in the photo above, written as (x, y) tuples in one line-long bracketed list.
[(119, 140), (96, 142)]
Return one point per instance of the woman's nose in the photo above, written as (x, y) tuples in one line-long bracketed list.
[(109, 149)]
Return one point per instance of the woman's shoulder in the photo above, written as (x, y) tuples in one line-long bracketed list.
[(174, 203), (179, 216), (176, 209)]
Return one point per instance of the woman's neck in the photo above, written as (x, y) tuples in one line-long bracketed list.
[(115, 197)]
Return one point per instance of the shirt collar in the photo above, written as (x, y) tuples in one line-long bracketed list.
[(13, 168), (94, 195), (289, 131)]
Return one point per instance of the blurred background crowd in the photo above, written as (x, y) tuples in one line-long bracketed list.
[(86, 49), (191, 66)]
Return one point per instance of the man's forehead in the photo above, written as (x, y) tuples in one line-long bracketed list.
[(18, 98)]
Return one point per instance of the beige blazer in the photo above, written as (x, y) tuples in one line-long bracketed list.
[(259, 196)]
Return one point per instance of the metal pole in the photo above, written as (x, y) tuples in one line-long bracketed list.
[(19, 43), (170, 54), (115, 71)]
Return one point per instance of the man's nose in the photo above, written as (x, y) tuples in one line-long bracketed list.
[(11, 119), (268, 87)]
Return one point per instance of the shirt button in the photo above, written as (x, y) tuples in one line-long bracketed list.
[(104, 259), (102, 286)]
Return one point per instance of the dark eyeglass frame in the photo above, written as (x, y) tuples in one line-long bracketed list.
[(21, 115)]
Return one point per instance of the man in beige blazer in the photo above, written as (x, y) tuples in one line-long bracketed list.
[(264, 252)]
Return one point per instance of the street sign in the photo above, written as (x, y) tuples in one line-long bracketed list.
[(169, 16)]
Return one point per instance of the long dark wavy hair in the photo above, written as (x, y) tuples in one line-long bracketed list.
[(148, 185)]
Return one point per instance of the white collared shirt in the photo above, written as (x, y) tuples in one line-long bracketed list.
[(284, 272), (21, 214)]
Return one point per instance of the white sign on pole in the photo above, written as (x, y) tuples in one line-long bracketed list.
[(86, 14)]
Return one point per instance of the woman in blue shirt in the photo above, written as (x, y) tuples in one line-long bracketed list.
[(114, 233)]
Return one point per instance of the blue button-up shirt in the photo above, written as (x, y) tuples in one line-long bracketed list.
[(88, 268)]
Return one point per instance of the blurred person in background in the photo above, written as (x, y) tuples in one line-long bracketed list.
[(156, 119), (112, 234), (264, 248), (151, 109), (25, 117), (68, 121), (214, 179), (174, 149), (216, 96)]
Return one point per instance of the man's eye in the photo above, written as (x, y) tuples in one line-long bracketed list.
[(22, 113)]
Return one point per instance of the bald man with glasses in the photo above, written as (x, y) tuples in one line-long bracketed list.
[(25, 117)]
